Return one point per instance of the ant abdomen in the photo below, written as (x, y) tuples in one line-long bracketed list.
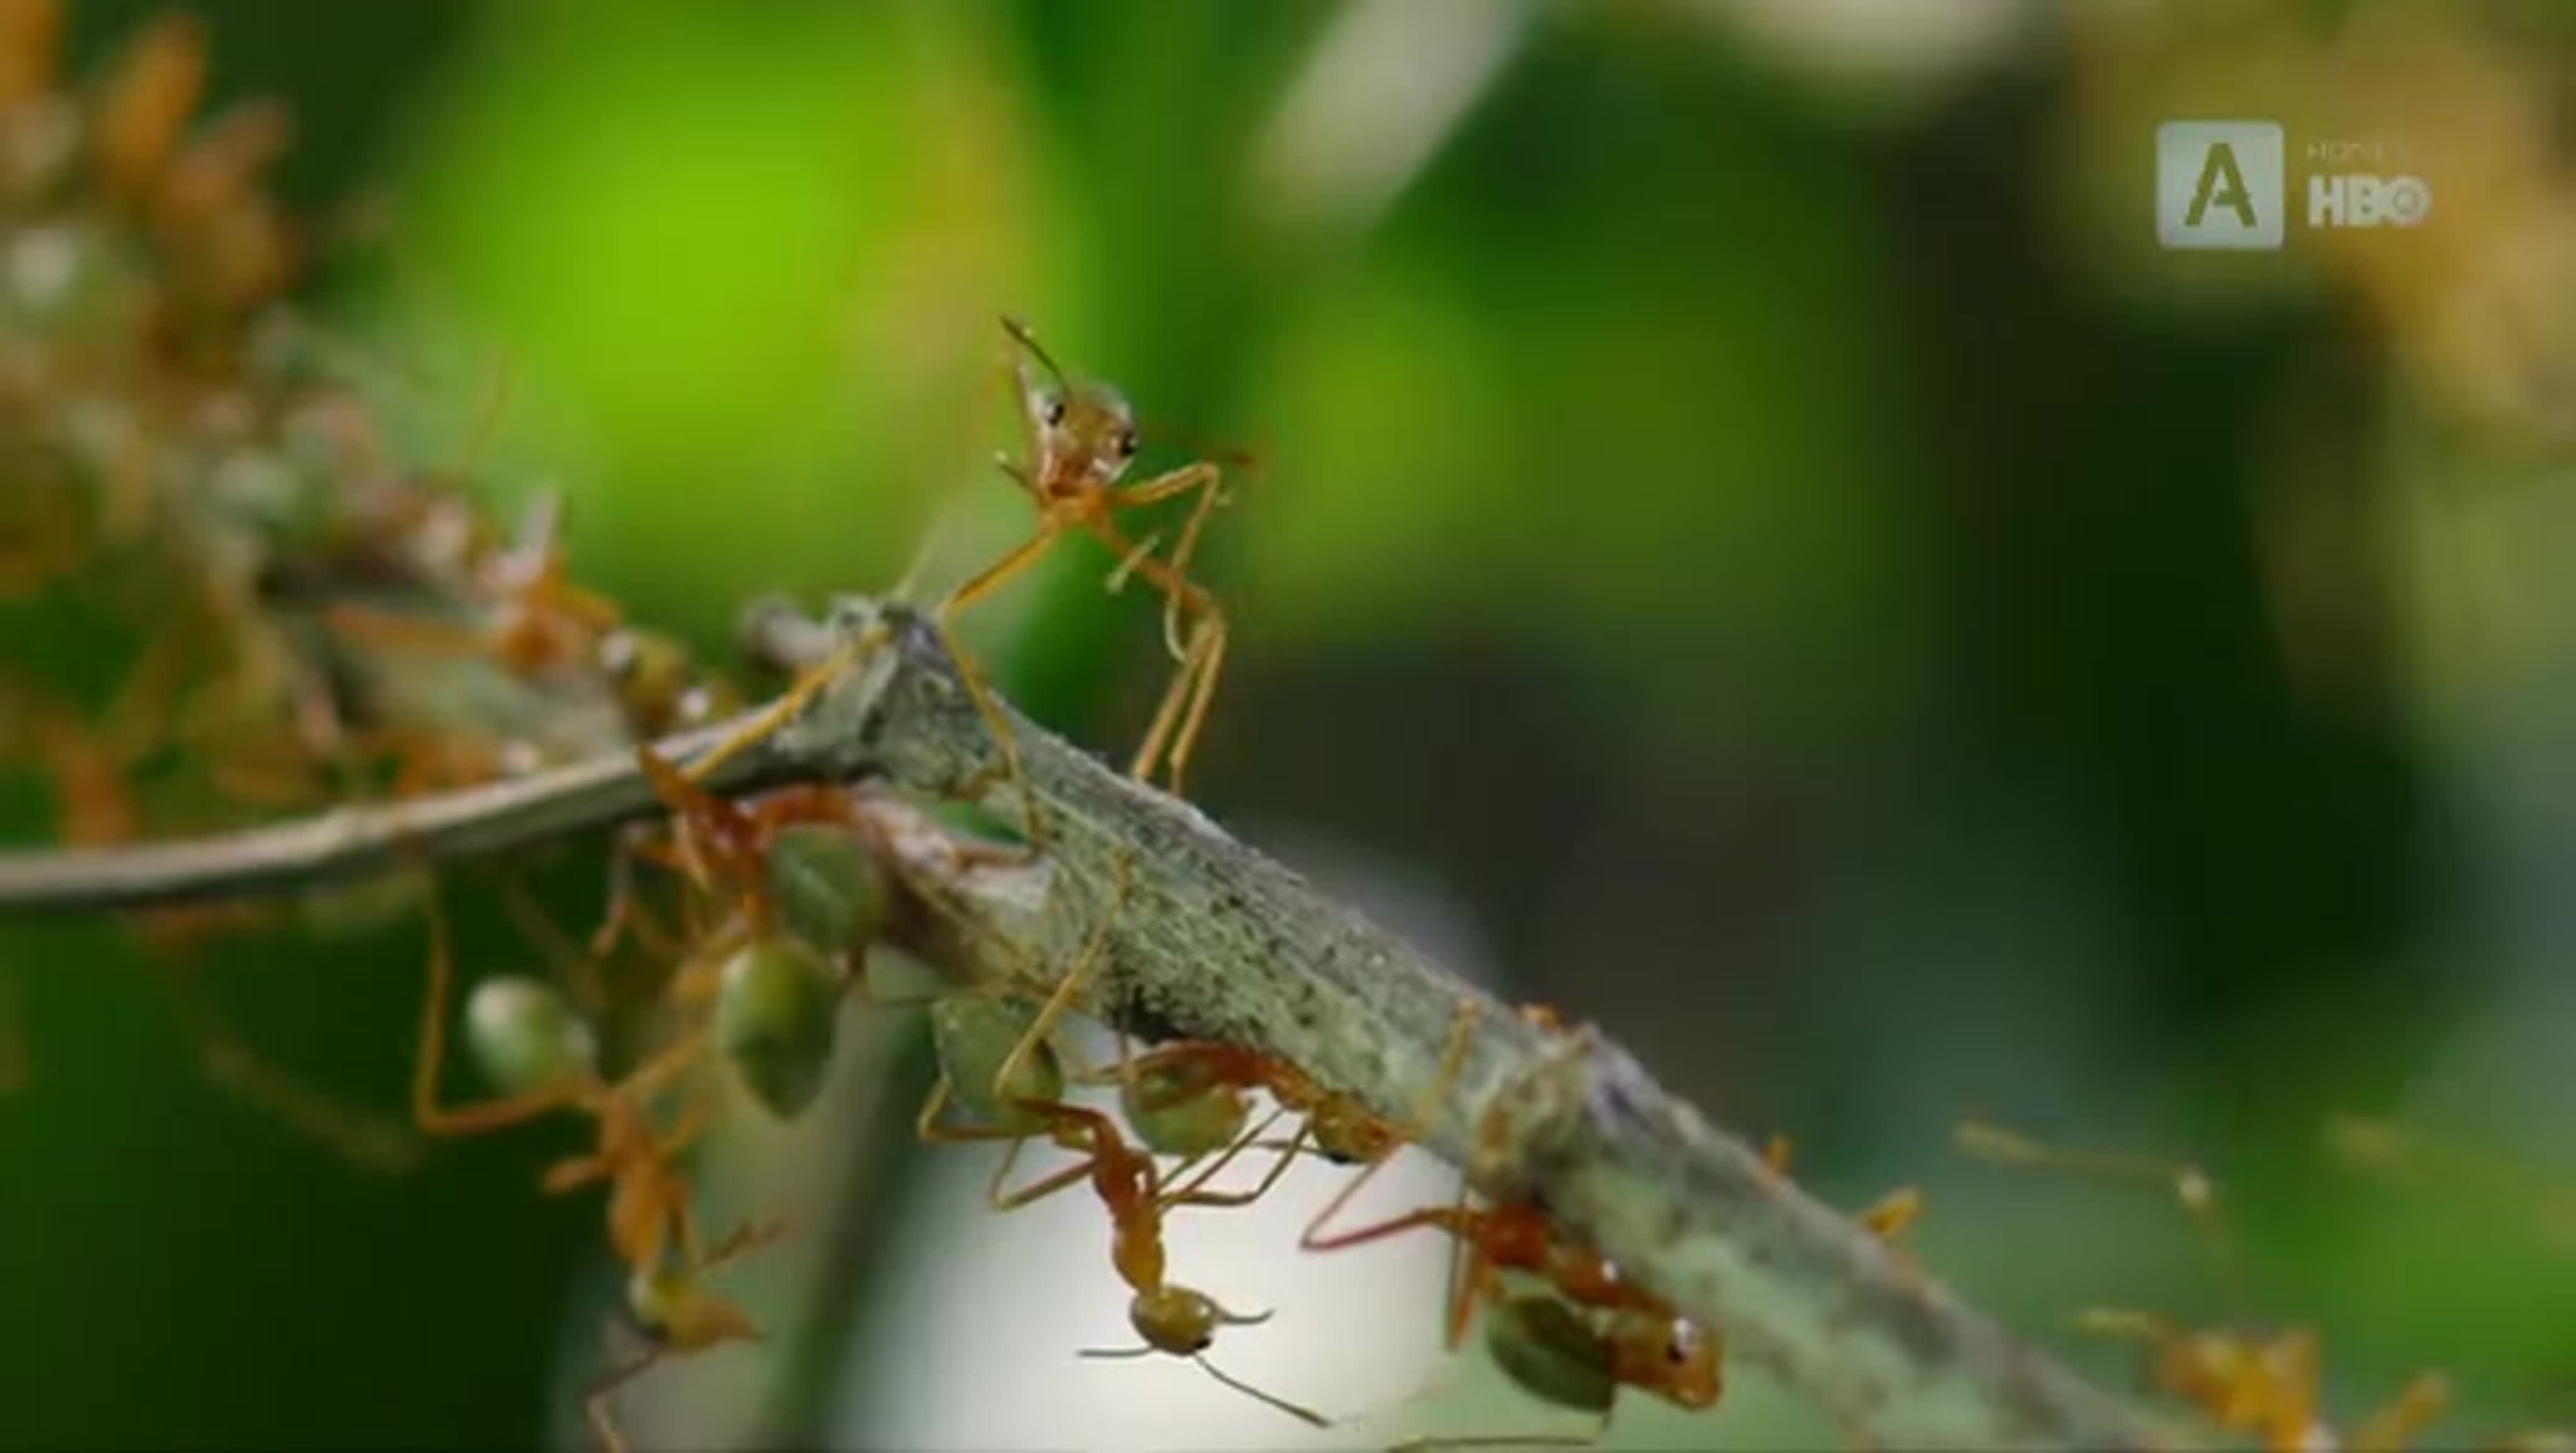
[(1175, 1112), (831, 889), (525, 1037), (777, 1007), (974, 1038), (1553, 1353)]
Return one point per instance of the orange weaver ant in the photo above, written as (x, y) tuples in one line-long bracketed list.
[(998, 1064), (1574, 1346), (2268, 1387), (1080, 437), (1172, 1319), (542, 1058), (1592, 1333)]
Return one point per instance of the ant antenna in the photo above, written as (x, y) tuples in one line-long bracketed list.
[(1303, 1415), (1021, 335)]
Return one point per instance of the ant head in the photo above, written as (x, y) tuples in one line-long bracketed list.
[(678, 1314), (1671, 1357), (1082, 427), (1349, 1134), (1182, 1322)]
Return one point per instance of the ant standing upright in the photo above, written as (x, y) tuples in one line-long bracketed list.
[(1080, 437)]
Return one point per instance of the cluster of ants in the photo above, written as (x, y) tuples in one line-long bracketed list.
[(173, 451)]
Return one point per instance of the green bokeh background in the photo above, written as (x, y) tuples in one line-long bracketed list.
[(1738, 527)]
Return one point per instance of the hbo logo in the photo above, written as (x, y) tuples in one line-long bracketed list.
[(2358, 199)]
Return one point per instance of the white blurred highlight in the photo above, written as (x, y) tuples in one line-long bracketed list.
[(1388, 83), (1907, 43)]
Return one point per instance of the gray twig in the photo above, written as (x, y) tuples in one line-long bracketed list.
[(1213, 940)]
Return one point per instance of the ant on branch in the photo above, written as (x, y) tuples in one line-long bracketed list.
[(1574, 1345), (999, 1066), (1080, 437), (543, 1058)]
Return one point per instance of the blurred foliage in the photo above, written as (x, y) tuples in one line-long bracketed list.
[(1750, 509)]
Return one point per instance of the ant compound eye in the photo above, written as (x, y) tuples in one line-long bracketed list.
[(1053, 413), (1127, 442)]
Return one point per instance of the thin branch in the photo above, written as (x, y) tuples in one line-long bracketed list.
[(1212, 940), (351, 844)]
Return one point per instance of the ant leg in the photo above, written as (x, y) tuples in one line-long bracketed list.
[(740, 1242), (625, 909), (576, 968), (1272, 1400), (790, 705), (1888, 1217), (1207, 479), (1191, 683), (1315, 1238), (1038, 1190), (932, 1130), (1192, 1193), (2121, 1322), (646, 1078), (2189, 1184), (700, 975), (705, 823), (364, 1140), (1067, 989), (389, 630), (1211, 632), (1167, 715), (426, 1113), (1005, 741), (2393, 1428), (1304, 1415), (595, 1404), (1453, 1058)]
